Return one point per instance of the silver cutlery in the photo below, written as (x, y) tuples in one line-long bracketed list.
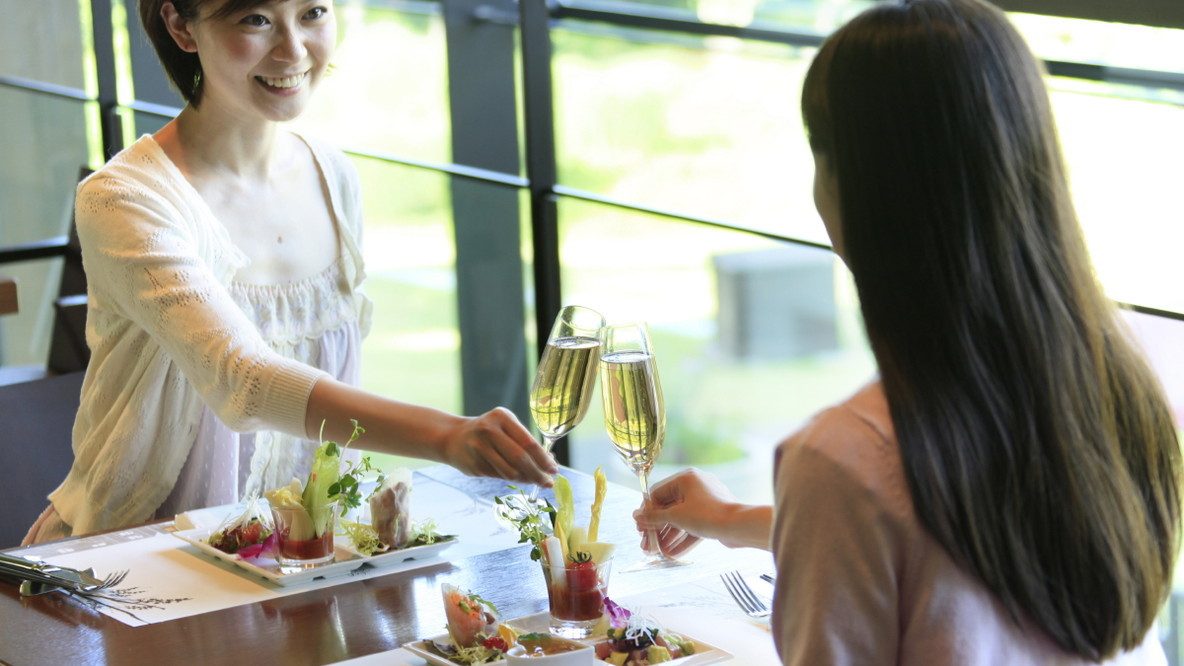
[(43, 577), (743, 594), (37, 578)]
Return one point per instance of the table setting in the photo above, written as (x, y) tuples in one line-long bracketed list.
[(357, 565), (201, 608)]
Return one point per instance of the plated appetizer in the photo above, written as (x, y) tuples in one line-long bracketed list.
[(309, 513), (472, 621), (642, 645), (305, 513), (576, 564), (476, 634), (390, 510), (574, 561), (390, 526), (634, 640), (242, 532)]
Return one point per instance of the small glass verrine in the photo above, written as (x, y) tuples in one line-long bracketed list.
[(575, 593), (304, 539)]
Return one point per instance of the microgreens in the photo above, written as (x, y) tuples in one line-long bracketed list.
[(347, 486), (531, 527), (363, 536), (426, 532)]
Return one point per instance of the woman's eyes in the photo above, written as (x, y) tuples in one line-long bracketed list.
[(259, 20)]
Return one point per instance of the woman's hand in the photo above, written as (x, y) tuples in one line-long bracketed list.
[(693, 505), (496, 444)]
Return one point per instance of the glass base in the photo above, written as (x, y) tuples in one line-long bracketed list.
[(576, 629), (289, 565), (656, 562), (317, 548)]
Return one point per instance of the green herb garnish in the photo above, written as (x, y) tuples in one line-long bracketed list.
[(532, 528), (425, 532), (345, 486)]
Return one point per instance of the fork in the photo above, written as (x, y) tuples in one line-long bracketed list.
[(82, 580), (111, 580), (743, 594), (34, 585)]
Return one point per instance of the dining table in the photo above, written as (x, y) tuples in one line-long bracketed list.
[(363, 619)]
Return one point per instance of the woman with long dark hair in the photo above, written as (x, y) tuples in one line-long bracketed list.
[(1008, 492)]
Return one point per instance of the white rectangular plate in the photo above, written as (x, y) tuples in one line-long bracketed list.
[(704, 653), (346, 561)]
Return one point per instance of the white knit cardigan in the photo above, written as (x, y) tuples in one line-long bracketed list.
[(165, 334)]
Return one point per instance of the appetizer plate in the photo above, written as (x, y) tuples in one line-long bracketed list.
[(346, 562), (704, 653)]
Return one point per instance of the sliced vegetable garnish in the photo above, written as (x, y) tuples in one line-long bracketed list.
[(565, 509), (597, 504)]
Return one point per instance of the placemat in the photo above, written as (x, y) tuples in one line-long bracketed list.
[(170, 579)]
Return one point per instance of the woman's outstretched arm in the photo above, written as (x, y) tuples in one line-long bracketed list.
[(495, 444)]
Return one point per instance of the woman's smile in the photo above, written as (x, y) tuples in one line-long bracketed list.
[(283, 84)]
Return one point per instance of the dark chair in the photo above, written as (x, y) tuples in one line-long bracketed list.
[(67, 351), (36, 419)]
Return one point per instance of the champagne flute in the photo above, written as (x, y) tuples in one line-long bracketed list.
[(634, 412), (563, 384)]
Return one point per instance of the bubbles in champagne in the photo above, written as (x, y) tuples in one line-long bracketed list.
[(563, 384), (633, 410)]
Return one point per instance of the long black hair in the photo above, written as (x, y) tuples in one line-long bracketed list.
[(1037, 444)]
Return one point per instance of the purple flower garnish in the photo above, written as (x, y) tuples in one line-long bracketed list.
[(267, 548), (618, 616)]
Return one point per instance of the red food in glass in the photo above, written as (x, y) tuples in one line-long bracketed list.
[(309, 549), (582, 598)]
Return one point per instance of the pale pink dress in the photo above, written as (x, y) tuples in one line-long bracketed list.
[(861, 582)]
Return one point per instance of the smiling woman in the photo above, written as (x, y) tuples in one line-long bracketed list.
[(281, 31), (223, 254), (278, 50)]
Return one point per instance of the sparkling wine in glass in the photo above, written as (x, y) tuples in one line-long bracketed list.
[(564, 381), (634, 413), (566, 374)]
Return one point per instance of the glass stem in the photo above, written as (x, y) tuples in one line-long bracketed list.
[(644, 477), (548, 442)]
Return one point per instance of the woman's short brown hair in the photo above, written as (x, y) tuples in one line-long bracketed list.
[(182, 67)]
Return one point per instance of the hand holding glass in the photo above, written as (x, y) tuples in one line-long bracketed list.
[(563, 383), (634, 412)]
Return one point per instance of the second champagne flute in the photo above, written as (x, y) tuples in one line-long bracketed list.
[(634, 411)]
